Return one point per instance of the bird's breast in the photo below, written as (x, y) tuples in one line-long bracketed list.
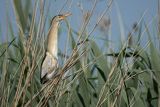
[(53, 42)]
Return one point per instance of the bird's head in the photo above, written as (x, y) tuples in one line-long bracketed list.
[(60, 17)]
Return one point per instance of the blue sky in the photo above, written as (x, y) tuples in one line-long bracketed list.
[(130, 10)]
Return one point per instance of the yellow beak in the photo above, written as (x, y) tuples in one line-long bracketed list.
[(65, 15)]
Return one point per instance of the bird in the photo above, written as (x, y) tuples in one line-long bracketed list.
[(49, 64)]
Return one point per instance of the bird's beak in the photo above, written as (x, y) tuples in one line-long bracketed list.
[(65, 15)]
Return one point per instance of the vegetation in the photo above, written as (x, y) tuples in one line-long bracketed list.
[(89, 75)]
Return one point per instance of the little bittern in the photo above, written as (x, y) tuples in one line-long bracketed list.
[(50, 62)]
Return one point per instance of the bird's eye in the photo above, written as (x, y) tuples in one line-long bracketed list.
[(59, 16)]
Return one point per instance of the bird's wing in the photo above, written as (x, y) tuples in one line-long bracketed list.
[(49, 66)]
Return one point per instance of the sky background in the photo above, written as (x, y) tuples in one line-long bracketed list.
[(130, 11)]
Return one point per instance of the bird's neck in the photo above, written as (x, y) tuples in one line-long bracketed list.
[(53, 40)]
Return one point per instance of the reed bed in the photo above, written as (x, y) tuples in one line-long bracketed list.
[(88, 76)]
